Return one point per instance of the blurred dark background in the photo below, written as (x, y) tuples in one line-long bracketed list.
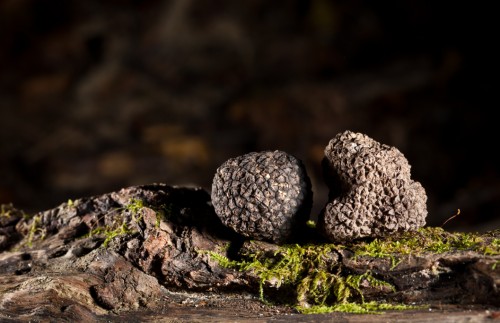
[(98, 95)]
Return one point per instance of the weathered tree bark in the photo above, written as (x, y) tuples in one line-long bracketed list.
[(143, 250)]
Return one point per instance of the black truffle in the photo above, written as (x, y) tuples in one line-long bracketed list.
[(262, 195), (371, 192)]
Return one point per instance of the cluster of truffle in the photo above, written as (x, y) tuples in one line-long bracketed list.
[(267, 195)]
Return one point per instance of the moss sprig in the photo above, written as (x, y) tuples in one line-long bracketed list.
[(8, 210), (110, 233), (35, 231)]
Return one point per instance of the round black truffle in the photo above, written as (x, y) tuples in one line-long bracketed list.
[(371, 192), (262, 195)]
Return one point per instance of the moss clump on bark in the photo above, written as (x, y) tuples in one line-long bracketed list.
[(425, 240), (315, 277), (320, 283)]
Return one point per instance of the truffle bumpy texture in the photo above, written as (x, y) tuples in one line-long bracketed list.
[(371, 192), (262, 195)]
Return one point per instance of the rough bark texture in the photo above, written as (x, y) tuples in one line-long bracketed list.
[(60, 264)]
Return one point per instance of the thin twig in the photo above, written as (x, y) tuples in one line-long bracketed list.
[(451, 218)]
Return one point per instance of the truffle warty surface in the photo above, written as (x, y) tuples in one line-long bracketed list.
[(262, 195), (371, 190)]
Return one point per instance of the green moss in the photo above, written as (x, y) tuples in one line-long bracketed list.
[(35, 231), (223, 260), (8, 210), (285, 267), (311, 224), (493, 249), (134, 206), (314, 275), (357, 308), (128, 214), (321, 284), (70, 203), (110, 233), (425, 240)]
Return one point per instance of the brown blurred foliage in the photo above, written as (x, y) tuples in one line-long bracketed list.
[(96, 95)]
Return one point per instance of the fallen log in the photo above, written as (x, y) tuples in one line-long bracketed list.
[(160, 251)]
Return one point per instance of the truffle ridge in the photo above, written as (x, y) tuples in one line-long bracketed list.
[(371, 190), (262, 195)]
